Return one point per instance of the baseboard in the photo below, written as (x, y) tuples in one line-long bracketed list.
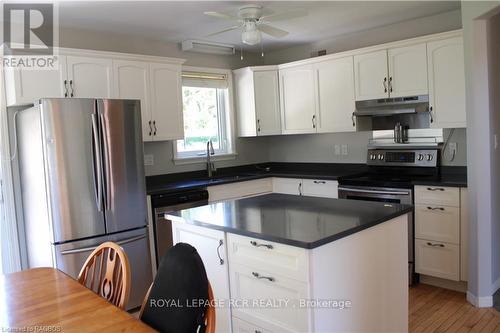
[(460, 286), (480, 302)]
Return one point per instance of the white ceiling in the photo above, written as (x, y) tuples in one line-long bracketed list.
[(174, 21)]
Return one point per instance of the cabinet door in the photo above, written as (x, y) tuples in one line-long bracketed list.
[(166, 102), (446, 82), (237, 190), (131, 81), (320, 188), (298, 100), (464, 234), (408, 71), (437, 259), (370, 75), (267, 107), (336, 101), (90, 77), (438, 223), (211, 246), (25, 86), (287, 186)]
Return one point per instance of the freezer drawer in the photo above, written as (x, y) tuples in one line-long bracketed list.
[(71, 256)]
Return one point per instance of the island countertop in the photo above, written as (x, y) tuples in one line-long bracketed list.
[(306, 222)]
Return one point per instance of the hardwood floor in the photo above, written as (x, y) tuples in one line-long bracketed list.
[(434, 309)]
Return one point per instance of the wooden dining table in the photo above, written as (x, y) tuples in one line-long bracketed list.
[(47, 300)]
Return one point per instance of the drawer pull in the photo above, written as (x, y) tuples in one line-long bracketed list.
[(435, 208), (257, 331), (258, 276), (254, 243), (435, 189), (431, 244), (319, 182)]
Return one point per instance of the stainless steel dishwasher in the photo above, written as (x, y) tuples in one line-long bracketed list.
[(163, 203)]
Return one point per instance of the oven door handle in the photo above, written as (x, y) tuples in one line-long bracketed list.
[(347, 189)]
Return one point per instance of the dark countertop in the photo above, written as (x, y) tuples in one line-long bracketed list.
[(449, 176), (305, 222)]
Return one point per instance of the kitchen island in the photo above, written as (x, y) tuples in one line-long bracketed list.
[(284, 263)]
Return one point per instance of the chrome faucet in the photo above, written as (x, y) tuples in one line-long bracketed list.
[(210, 164)]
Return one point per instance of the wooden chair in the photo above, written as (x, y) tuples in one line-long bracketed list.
[(209, 314), (107, 272)]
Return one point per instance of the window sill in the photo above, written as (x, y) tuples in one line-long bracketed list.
[(203, 159)]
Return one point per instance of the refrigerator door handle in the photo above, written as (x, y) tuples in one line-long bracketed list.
[(92, 248), (104, 131), (97, 164)]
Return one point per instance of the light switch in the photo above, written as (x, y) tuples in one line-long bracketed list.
[(149, 160)]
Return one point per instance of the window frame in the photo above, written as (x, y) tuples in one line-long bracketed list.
[(227, 149)]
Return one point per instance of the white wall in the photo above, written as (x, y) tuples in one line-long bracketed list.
[(482, 198)]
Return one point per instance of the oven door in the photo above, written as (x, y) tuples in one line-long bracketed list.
[(392, 195)]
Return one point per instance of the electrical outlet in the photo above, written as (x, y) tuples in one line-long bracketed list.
[(452, 148), (336, 149), (344, 150), (149, 160)]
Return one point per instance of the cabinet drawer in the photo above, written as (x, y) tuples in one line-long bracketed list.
[(258, 285), (320, 188), (287, 186), (277, 258), (437, 259), (437, 195), (437, 223), (239, 189), (241, 326)]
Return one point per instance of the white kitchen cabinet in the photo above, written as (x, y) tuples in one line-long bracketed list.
[(335, 94), (446, 75), (298, 100), (25, 86), (241, 326), (408, 70), (320, 188), (464, 234), (438, 223), (287, 185), (257, 98), (89, 77), (240, 189), (437, 259), (437, 195), (211, 246), (370, 75), (131, 81), (166, 102)]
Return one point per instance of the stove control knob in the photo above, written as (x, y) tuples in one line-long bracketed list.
[(420, 157), (373, 157), (381, 156), (429, 157)]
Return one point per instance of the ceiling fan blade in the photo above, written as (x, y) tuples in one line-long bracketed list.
[(272, 31), (234, 27), (284, 16), (221, 15)]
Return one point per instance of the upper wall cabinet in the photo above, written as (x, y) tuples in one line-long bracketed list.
[(257, 92), (132, 82), (335, 95), (89, 77), (298, 100), (446, 75), (396, 72)]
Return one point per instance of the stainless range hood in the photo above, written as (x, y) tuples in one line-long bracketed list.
[(385, 113)]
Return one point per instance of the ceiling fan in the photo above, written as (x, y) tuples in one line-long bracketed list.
[(249, 18)]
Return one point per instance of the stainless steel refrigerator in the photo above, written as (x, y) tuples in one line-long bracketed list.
[(82, 182)]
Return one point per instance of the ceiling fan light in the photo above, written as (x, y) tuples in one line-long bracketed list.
[(251, 37)]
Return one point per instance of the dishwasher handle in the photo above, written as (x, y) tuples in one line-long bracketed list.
[(391, 192)]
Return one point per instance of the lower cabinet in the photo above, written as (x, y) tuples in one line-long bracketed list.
[(287, 186), (241, 326), (240, 189), (211, 245), (320, 188), (437, 259)]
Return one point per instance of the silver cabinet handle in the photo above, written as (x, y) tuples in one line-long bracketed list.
[(300, 188), (390, 84), (258, 125), (319, 182), (254, 243), (435, 208), (150, 128), (221, 242), (154, 126), (258, 276), (65, 88), (72, 89), (435, 244), (431, 110), (92, 248), (385, 84), (353, 121), (435, 189), (314, 121)]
